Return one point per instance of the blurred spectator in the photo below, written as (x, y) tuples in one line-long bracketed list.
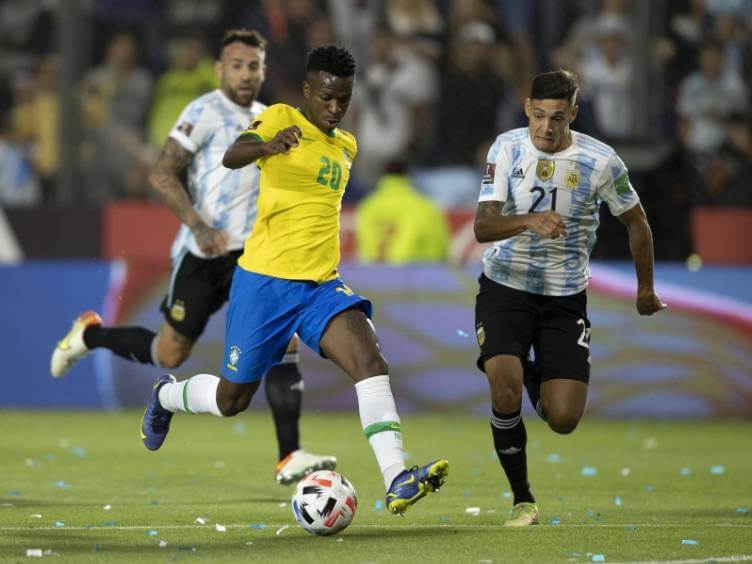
[(470, 94), (393, 105), (606, 73), (115, 101), (396, 224), (406, 18), (706, 98), (287, 25), (190, 74), (354, 21), (36, 120), (18, 183), (728, 170)]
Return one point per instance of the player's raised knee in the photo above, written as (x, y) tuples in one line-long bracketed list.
[(562, 422)]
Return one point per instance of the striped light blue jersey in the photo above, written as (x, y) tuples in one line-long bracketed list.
[(572, 182), (224, 198)]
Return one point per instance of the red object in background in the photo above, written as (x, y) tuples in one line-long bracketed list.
[(138, 231), (721, 235)]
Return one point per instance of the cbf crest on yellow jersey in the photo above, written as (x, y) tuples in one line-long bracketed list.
[(296, 234)]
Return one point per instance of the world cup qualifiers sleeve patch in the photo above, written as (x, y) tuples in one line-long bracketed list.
[(489, 173), (185, 128)]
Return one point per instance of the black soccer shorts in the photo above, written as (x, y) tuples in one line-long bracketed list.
[(509, 321), (198, 288)]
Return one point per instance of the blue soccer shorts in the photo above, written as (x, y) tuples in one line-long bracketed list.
[(265, 312)]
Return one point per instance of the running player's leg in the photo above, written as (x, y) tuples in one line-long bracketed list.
[(337, 326), (259, 327), (505, 325), (562, 354), (284, 393)]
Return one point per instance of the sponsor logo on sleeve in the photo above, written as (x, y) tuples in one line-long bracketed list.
[(185, 128), (489, 173)]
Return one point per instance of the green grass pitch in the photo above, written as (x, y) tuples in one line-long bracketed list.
[(81, 486)]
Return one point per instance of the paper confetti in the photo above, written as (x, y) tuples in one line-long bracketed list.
[(617, 501), (34, 552), (690, 542), (59, 524), (62, 485), (685, 471), (220, 528), (472, 511), (249, 543), (200, 521), (553, 458), (742, 510), (625, 472), (162, 544), (719, 469), (36, 515), (258, 526), (589, 471), (340, 539), (554, 521), (107, 507), (378, 505), (650, 443), (598, 558), (152, 532), (282, 529)]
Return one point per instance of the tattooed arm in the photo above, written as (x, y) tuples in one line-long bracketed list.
[(166, 182), (491, 225)]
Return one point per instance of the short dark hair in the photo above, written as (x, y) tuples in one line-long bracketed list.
[(333, 59), (250, 37), (557, 85)]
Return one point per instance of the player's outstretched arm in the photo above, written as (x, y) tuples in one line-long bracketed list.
[(491, 225), (165, 179), (248, 148), (641, 246)]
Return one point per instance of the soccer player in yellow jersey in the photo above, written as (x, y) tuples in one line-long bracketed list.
[(287, 281)]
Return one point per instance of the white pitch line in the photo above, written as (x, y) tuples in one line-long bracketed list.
[(395, 526), (735, 558)]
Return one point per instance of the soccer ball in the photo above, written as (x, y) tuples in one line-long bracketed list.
[(324, 502)]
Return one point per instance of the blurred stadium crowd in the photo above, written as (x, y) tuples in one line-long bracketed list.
[(665, 81)]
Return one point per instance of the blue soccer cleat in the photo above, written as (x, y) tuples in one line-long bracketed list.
[(413, 484), (155, 424)]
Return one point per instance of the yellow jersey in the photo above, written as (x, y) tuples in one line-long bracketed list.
[(296, 234)]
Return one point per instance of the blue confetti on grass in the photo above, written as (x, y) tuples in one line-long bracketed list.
[(78, 452), (554, 521), (14, 493), (506, 494), (553, 458), (649, 488), (685, 471), (62, 485), (378, 505), (742, 510), (258, 526), (59, 524), (690, 542), (49, 456), (718, 469), (152, 532), (617, 501), (589, 471), (598, 558), (444, 519), (238, 428)]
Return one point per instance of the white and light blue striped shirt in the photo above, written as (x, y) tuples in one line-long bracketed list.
[(224, 198), (572, 182)]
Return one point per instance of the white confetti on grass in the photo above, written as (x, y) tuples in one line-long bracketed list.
[(282, 529), (200, 521), (107, 507), (220, 528), (162, 544), (473, 511)]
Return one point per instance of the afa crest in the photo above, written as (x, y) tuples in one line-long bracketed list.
[(480, 332), (572, 177), (177, 311), (545, 169)]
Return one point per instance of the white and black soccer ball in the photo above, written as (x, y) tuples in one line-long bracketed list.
[(324, 502)]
